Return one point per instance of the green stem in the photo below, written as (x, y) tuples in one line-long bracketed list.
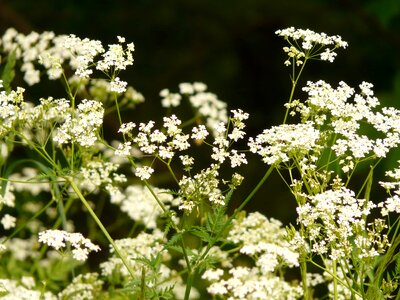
[(303, 271), (294, 84), (118, 110), (147, 184), (303, 268), (387, 259), (335, 290), (172, 172), (252, 193), (189, 284), (230, 219), (103, 229)]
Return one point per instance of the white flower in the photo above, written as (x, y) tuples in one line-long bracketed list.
[(58, 239), (123, 149), (8, 221), (53, 238), (83, 126), (126, 127), (199, 133), (280, 143), (170, 99), (139, 204), (312, 45), (118, 85), (186, 88), (186, 160), (237, 159), (212, 275), (116, 57), (144, 172)]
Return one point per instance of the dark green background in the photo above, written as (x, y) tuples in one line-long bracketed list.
[(231, 46)]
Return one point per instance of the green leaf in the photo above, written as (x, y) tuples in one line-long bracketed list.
[(216, 221), (9, 73), (201, 233), (173, 241), (397, 268)]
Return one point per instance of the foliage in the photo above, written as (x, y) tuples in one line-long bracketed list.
[(65, 177)]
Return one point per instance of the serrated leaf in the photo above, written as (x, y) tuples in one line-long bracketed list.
[(201, 233), (216, 222), (173, 241), (8, 73), (397, 268)]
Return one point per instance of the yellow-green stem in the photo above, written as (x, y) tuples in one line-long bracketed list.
[(335, 290), (294, 84), (102, 228)]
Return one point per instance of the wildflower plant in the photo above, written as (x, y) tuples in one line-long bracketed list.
[(89, 217)]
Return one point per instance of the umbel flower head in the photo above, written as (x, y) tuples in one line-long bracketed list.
[(58, 238), (307, 44)]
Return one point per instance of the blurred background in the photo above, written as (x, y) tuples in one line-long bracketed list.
[(231, 46)]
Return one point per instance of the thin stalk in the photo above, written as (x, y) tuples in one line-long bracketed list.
[(118, 110), (147, 184), (172, 172), (252, 193), (229, 221), (43, 154), (189, 284), (295, 79), (303, 269), (102, 228), (335, 290), (337, 278), (387, 259)]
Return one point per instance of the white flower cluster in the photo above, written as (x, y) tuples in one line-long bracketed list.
[(53, 51), (82, 125), (29, 49), (58, 238), (145, 245), (392, 203), (204, 186), (100, 89), (116, 58), (84, 286), (284, 142), (307, 44), (139, 204), (345, 119), (331, 118), (10, 106), (7, 196), (8, 221), (170, 139), (161, 143), (24, 290), (98, 173), (224, 139), (335, 221), (265, 241), (83, 52), (207, 104)]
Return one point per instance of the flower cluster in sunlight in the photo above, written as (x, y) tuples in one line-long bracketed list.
[(266, 243), (307, 44), (59, 239), (165, 194)]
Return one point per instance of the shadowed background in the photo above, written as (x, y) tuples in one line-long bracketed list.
[(230, 46)]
